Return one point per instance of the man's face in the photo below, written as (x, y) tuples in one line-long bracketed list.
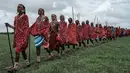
[(53, 17), (40, 11), (77, 22), (62, 18), (19, 8), (70, 20)]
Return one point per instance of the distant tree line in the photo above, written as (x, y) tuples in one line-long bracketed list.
[(6, 32)]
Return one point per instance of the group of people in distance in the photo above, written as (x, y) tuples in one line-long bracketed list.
[(57, 34)]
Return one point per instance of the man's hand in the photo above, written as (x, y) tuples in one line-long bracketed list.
[(6, 24)]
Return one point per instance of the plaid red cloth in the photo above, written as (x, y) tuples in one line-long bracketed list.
[(21, 34), (71, 34), (63, 32)]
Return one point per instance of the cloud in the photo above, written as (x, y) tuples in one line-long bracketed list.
[(106, 6), (116, 12)]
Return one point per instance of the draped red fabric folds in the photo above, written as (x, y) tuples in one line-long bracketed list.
[(93, 34), (21, 32), (54, 31), (97, 32), (71, 34), (79, 33), (63, 32), (100, 32), (120, 31), (86, 31), (104, 33), (40, 29)]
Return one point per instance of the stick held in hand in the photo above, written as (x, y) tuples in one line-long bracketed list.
[(6, 24)]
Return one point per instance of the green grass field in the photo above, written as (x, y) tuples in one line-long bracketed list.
[(111, 57)]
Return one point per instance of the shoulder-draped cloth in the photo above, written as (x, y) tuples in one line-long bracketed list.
[(40, 30), (63, 32), (86, 32), (54, 35), (104, 33), (100, 32), (79, 31), (21, 32), (71, 34), (93, 33)]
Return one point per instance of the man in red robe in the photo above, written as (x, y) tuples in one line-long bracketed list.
[(97, 31), (117, 32), (126, 31), (120, 32), (86, 31), (109, 33), (79, 32), (63, 32), (21, 35), (54, 39), (129, 32), (104, 34), (93, 35), (71, 33), (92, 29), (113, 33), (41, 29), (83, 25), (100, 32)]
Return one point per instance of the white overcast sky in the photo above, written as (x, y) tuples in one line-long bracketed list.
[(115, 12)]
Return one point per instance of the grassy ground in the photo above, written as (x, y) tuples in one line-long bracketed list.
[(111, 57)]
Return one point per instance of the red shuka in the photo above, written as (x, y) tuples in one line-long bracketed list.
[(71, 34), (79, 33), (40, 29), (21, 32), (104, 33), (97, 32), (110, 33), (128, 31), (63, 32), (100, 32), (120, 31), (93, 34), (117, 31), (86, 31), (54, 31)]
